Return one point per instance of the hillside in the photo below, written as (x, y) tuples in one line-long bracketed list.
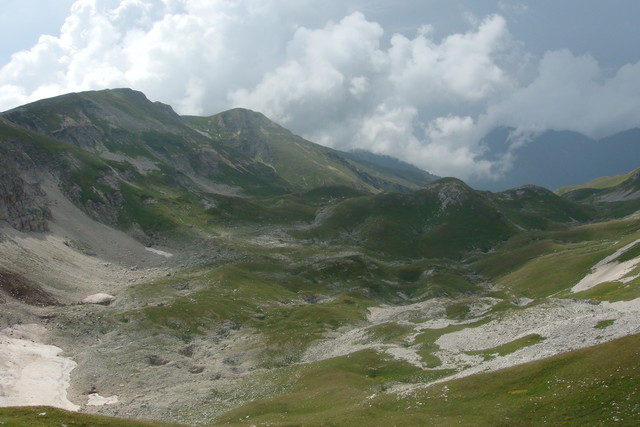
[(221, 270), (303, 164), (613, 197), (598, 183)]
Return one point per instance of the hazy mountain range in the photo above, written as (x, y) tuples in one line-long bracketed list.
[(557, 159)]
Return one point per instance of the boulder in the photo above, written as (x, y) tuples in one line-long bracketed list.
[(101, 298)]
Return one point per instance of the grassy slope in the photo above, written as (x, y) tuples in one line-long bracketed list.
[(598, 183), (593, 386), (446, 219), (42, 416), (304, 164), (534, 207), (596, 386), (126, 122), (269, 296), (540, 264), (153, 201), (612, 198)]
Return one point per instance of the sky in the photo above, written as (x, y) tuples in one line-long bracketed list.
[(421, 80)]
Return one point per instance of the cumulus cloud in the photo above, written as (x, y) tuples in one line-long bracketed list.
[(514, 8), (323, 70), (339, 86), (459, 68), (331, 74), (573, 92)]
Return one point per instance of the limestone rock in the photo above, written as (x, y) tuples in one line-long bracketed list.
[(101, 298), (22, 204)]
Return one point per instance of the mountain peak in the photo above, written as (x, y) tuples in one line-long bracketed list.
[(243, 120)]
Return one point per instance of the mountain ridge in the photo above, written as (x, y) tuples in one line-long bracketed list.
[(296, 158)]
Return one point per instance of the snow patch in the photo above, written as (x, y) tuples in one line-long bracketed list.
[(100, 298), (32, 373), (159, 252), (609, 270), (96, 400)]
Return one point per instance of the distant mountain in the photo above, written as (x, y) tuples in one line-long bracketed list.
[(556, 159), (387, 166)]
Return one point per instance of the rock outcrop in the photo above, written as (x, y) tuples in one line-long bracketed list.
[(22, 204), (101, 298)]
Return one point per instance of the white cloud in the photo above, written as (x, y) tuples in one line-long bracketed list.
[(459, 68), (341, 88), (331, 74), (387, 129), (324, 71), (572, 92), (514, 8)]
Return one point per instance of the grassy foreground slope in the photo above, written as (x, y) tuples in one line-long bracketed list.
[(596, 386), (44, 416)]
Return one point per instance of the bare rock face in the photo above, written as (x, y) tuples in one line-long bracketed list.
[(22, 204)]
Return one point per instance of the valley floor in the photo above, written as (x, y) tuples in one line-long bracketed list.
[(123, 370)]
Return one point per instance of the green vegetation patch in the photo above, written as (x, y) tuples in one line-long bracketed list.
[(510, 347), (611, 291), (330, 194), (536, 208), (140, 207), (539, 264), (516, 252), (604, 324), (232, 293), (598, 183), (276, 210), (44, 416), (556, 271), (330, 388), (631, 253), (458, 310), (389, 333), (596, 386), (259, 295), (416, 225), (427, 341)]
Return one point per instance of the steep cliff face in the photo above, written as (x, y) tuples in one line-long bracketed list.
[(22, 204)]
